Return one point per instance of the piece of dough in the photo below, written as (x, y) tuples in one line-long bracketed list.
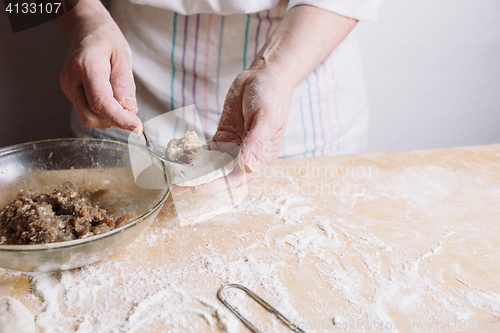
[(14, 317), (208, 166)]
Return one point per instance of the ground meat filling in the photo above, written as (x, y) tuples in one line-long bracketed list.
[(184, 149), (64, 215)]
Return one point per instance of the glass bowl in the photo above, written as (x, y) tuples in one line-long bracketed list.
[(91, 164)]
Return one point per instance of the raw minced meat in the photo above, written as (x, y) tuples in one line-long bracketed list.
[(184, 149), (64, 215)]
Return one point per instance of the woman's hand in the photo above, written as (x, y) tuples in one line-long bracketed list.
[(256, 107), (254, 118), (97, 73)]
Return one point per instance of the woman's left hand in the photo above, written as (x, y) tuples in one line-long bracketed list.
[(254, 118)]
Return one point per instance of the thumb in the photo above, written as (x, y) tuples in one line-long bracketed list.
[(255, 144)]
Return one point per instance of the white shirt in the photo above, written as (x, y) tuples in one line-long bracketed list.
[(189, 52), (366, 10)]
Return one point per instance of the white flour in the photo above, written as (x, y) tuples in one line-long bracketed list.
[(14, 317), (371, 275), (121, 299)]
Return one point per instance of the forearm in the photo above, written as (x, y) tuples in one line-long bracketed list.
[(304, 37)]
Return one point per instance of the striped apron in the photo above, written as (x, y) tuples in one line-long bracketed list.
[(179, 60)]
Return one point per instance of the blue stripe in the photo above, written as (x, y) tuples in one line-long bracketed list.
[(246, 43)]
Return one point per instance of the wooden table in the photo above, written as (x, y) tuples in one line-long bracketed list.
[(406, 241)]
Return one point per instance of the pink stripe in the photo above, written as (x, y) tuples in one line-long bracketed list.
[(278, 12), (328, 104), (270, 24), (257, 35), (194, 63), (205, 74)]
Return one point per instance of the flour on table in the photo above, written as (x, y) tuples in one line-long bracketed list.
[(372, 273), (168, 295), (290, 208), (14, 317)]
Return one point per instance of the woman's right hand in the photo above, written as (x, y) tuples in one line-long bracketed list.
[(97, 72)]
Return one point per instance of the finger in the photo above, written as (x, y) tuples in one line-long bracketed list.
[(73, 89), (256, 142), (230, 128), (227, 136), (176, 189), (229, 148), (234, 179), (88, 118), (101, 101), (122, 83)]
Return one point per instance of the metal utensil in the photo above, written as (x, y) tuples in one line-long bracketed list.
[(259, 300), (159, 151)]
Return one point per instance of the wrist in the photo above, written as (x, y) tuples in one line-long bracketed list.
[(80, 19), (287, 76)]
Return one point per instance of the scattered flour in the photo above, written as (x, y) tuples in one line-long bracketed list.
[(118, 298), (121, 300), (376, 242), (290, 208), (14, 317), (109, 296)]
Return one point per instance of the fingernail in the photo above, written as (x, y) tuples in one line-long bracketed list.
[(249, 165), (131, 104), (138, 130)]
